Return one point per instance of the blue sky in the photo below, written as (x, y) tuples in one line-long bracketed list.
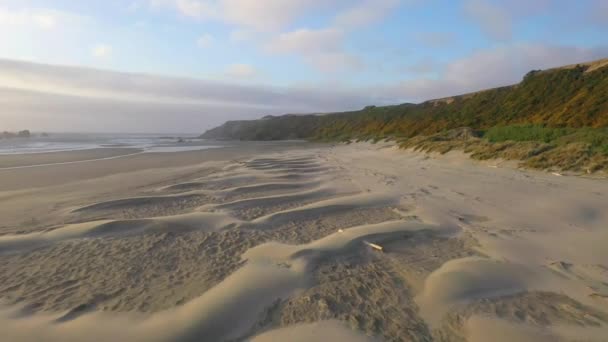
[(274, 56)]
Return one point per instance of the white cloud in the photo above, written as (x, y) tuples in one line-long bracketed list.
[(366, 12), (307, 41), (101, 50), (45, 21), (44, 34), (323, 49), (265, 15), (241, 71), (195, 8), (101, 84), (91, 99), (205, 41), (42, 19), (274, 15), (260, 15), (48, 97)]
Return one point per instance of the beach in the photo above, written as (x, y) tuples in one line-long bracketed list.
[(298, 241)]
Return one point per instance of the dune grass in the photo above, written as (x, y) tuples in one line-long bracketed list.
[(526, 133), (596, 139)]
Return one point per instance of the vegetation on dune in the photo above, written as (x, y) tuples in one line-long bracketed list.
[(276, 128), (581, 150), (596, 139), (552, 118), (560, 98), (526, 133)]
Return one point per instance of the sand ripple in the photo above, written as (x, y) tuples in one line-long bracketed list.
[(277, 247)]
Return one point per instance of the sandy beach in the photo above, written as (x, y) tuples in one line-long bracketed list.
[(294, 241)]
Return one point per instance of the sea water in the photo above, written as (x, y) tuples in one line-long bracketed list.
[(57, 142)]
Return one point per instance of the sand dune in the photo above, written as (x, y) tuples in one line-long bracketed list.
[(99, 229), (321, 331), (463, 281), (275, 246), (229, 310), (481, 328), (271, 187), (325, 207)]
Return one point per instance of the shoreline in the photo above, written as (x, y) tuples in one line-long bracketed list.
[(39, 170), (26, 160)]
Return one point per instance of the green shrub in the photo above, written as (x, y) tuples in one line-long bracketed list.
[(526, 133), (595, 138)]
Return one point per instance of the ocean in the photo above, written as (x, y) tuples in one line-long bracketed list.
[(57, 142)]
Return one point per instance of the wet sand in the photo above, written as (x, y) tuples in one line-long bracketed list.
[(27, 160), (273, 242)]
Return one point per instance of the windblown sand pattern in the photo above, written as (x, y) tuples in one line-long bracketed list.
[(275, 247)]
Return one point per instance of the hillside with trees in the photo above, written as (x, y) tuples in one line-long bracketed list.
[(552, 110), (10, 135)]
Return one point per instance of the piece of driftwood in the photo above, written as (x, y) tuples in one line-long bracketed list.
[(374, 246)]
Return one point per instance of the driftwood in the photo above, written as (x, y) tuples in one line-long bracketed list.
[(374, 246)]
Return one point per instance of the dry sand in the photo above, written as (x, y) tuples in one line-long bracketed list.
[(270, 242)]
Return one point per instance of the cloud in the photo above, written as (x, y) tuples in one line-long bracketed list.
[(275, 15), (365, 13), (205, 40), (47, 97), (53, 112), (493, 20), (101, 51), (307, 41), (241, 71), (36, 18), (260, 15), (44, 34), (44, 21), (194, 8), (265, 15), (323, 48)]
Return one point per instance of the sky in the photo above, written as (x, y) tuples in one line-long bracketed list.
[(185, 66)]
